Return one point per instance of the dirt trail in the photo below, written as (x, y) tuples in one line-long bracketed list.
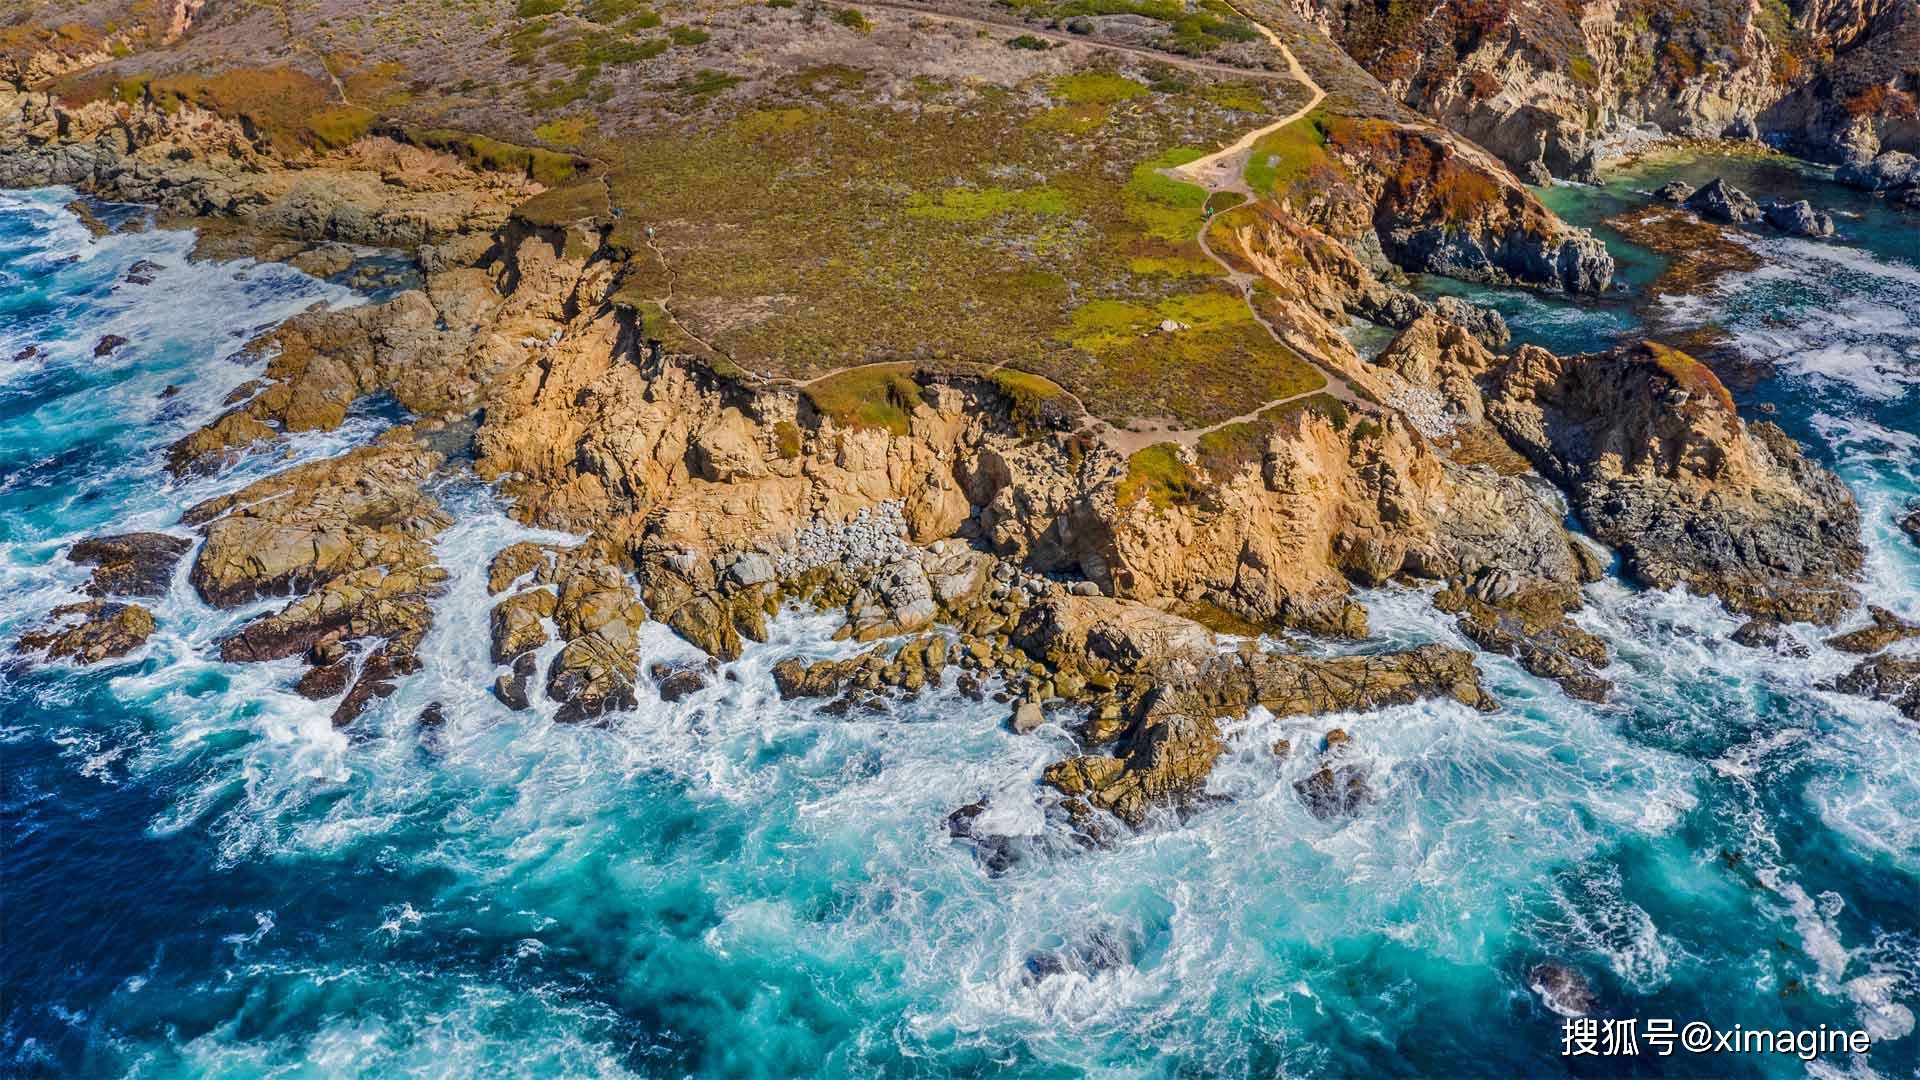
[(1222, 170), (1156, 55), (1225, 169)]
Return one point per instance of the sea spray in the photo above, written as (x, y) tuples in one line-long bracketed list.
[(204, 876)]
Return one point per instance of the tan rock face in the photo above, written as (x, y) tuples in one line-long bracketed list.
[(1280, 539), (1165, 756), (350, 536), (89, 632)]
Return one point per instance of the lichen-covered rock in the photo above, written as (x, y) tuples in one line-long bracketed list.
[(599, 618), (518, 623), (130, 564), (89, 632)]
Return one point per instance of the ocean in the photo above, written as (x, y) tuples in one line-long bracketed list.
[(200, 876)]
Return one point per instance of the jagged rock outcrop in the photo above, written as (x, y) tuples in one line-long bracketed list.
[(1443, 207), (1531, 626), (1720, 201), (188, 162), (130, 564), (88, 632), (1659, 464), (349, 536), (1554, 90), (1674, 191), (1165, 754)]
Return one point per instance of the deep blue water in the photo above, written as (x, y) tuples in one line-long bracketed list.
[(202, 878)]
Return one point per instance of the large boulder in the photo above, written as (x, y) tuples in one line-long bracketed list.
[(1890, 171), (1800, 219), (89, 632), (1721, 201), (130, 564)]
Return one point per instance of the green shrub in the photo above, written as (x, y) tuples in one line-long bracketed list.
[(336, 127), (533, 9), (853, 20)]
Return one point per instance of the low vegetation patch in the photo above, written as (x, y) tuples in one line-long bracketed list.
[(882, 396), (1160, 475)]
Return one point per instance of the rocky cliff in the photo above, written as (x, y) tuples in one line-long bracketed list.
[(1549, 87)]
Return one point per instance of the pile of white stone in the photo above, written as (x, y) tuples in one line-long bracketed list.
[(1426, 410), (874, 536)]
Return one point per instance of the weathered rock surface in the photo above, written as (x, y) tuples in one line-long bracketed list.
[(1168, 750), (350, 537), (1888, 677), (89, 632), (130, 564), (1885, 629), (1658, 464), (1800, 219), (1894, 172), (1674, 191), (1720, 201), (1532, 627)]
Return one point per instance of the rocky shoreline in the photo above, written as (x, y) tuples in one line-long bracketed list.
[(981, 528)]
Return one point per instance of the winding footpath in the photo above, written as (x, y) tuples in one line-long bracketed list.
[(1222, 170), (1225, 170)]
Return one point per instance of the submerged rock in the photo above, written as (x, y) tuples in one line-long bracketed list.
[(130, 564), (1674, 191), (89, 632), (1721, 201), (1563, 989), (107, 344), (1335, 791), (996, 851), (1885, 629), (1800, 219), (142, 272)]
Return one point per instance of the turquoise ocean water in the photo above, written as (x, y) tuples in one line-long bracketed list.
[(201, 877)]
